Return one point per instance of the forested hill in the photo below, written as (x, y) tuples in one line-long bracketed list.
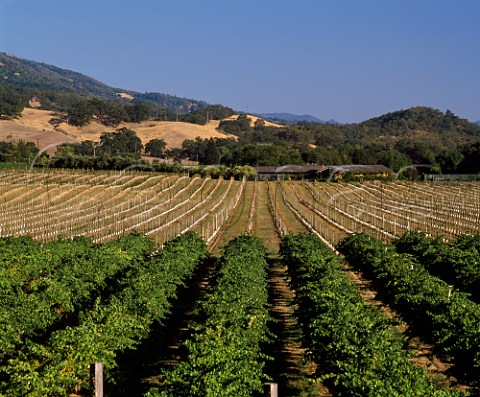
[(57, 88), (418, 135), (30, 75), (420, 118), (289, 118)]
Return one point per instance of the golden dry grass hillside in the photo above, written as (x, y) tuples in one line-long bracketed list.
[(47, 130), (253, 119), (34, 126), (172, 132)]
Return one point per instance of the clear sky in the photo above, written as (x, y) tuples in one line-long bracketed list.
[(343, 59)]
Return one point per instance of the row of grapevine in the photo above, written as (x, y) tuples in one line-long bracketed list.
[(280, 225), (397, 207), (44, 284), (208, 221), (456, 262), (105, 205), (434, 310), (327, 227), (67, 208), (224, 351), (385, 210), (358, 351), (117, 319), (351, 211), (110, 205)]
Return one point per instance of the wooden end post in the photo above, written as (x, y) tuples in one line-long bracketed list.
[(97, 378), (271, 389)]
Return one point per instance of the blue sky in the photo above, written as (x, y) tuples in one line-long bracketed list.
[(344, 59)]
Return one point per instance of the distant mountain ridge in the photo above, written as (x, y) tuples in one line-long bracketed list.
[(288, 117)]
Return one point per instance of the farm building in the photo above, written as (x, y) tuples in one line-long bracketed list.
[(333, 172), (358, 171), (288, 171)]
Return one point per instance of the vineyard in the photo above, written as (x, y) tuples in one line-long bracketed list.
[(242, 281), (47, 204)]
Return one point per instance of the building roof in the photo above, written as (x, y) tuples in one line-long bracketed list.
[(302, 169), (289, 169), (356, 168)]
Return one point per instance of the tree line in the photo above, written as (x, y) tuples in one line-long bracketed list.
[(122, 148), (419, 135), (448, 145)]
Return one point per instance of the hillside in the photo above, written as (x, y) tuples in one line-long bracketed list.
[(56, 87), (420, 118), (34, 127), (44, 128), (25, 74), (172, 132), (253, 119), (421, 135)]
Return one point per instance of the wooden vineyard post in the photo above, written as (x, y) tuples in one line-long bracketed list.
[(271, 389), (96, 371)]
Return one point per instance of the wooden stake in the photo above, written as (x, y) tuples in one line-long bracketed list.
[(97, 378), (272, 389)]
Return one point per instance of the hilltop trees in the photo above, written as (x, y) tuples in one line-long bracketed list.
[(80, 113), (204, 115), (84, 110), (116, 150), (420, 118), (241, 124)]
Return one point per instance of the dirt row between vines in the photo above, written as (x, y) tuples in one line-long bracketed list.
[(293, 374), (141, 369)]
